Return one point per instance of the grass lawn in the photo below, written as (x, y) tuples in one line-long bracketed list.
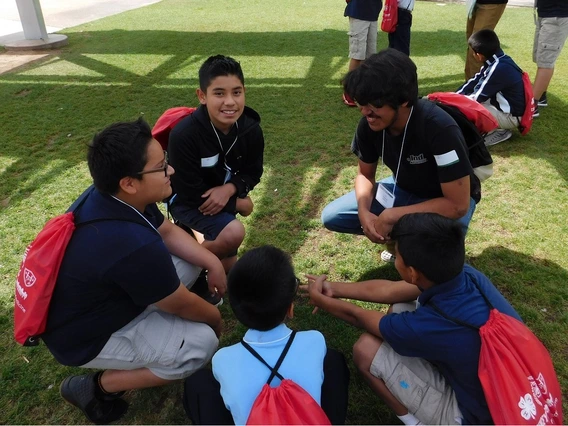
[(293, 55)]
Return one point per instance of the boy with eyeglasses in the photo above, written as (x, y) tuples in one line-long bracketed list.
[(121, 302), (218, 154)]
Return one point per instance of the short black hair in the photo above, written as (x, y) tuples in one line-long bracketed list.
[(385, 78), (484, 42), (432, 244), (119, 150), (261, 287), (216, 66)]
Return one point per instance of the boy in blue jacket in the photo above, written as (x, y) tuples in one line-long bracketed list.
[(498, 86)]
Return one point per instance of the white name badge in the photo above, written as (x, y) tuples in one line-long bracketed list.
[(384, 196), (210, 161)]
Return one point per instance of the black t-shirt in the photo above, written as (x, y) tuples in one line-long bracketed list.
[(434, 151), (552, 8), (112, 270)]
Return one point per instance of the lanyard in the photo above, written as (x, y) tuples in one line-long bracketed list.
[(221, 145), (401, 148), (140, 214)]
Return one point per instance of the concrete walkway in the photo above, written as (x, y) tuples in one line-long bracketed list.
[(60, 14)]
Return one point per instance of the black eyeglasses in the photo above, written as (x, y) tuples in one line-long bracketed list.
[(298, 282), (164, 168)]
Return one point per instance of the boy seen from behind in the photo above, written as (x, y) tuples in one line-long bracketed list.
[(498, 86), (423, 365), (218, 152), (262, 287)]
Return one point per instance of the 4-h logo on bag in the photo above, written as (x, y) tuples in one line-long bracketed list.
[(527, 402), (29, 278)]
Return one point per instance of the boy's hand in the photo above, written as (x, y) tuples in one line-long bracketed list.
[(217, 281), (317, 287), (244, 206), (217, 199)]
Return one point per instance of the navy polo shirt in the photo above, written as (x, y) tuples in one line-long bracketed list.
[(452, 348)]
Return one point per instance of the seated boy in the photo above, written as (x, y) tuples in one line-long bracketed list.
[(262, 286), (218, 154), (421, 364), (498, 85)]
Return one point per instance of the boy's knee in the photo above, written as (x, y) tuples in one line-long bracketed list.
[(364, 351), (232, 235)]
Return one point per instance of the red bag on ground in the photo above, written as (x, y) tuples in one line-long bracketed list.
[(526, 120), (517, 374), (390, 16), (167, 121), (286, 404), (473, 110), (37, 276)]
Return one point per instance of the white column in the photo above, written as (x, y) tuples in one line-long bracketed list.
[(32, 19)]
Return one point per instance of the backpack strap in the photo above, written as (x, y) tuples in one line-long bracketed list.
[(278, 363), (458, 321)]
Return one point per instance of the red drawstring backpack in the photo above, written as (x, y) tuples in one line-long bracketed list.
[(167, 121), (473, 110), (38, 274), (525, 122), (286, 404), (515, 371), (390, 16)]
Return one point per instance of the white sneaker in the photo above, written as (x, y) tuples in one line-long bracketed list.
[(387, 256), (497, 136)]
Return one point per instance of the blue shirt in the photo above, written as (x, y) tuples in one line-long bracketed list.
[(452, 348), (242, 376)]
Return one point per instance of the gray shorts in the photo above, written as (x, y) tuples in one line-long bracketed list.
[(362, 38), (416, 383), (549, 38), (170, 347)]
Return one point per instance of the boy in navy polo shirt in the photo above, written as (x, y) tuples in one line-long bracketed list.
[(421, 364), (262, 287)]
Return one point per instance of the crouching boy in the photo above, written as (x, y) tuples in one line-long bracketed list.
[(423, 366), (262, 286)]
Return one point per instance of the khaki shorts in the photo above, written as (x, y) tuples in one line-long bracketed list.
[(549, 38), (170, 347), (416, 383), (362, 38)]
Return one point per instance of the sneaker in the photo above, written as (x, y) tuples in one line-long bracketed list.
[(497, 136), (387, 256), (80, 392), (536, 113), (543, 101), (348, 101), (201, 288)]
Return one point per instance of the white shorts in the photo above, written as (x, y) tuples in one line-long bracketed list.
[(170, 347), (362, 38)]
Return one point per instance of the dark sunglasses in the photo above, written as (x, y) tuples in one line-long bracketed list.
[(164, 168)]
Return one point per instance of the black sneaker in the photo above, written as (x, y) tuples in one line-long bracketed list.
[(536, 113), (80, 392), (542, 102), (201, 288)]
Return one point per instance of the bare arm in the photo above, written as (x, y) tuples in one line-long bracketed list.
[(453, 204), (353, 314), (364, 185), (181, 244), (189, 306), (376, 291)]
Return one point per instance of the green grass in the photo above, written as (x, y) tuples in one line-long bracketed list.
[(293, 55)]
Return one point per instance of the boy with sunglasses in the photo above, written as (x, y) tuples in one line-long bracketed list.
[(121, 302), (218, 154)]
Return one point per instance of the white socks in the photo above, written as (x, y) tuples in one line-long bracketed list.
[(409, 419)]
